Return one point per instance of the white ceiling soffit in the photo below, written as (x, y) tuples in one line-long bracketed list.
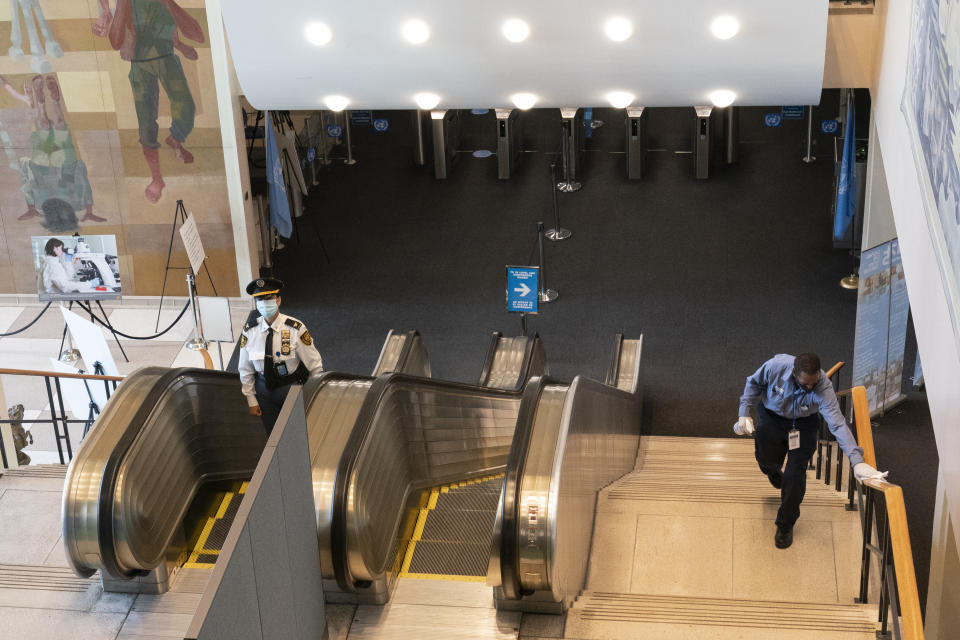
[(671, 59)]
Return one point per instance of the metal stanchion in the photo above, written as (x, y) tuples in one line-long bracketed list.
[(568, 185), (545, 295), (558, 232), (196, 343), (346, 128), (809, 157)]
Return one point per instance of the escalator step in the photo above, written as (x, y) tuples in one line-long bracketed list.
[(450, 558), (464, 526), (214, 535)]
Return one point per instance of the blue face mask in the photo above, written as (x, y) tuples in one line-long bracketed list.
[(267, 308)]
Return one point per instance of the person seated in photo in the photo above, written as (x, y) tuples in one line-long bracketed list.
[(59, 275)]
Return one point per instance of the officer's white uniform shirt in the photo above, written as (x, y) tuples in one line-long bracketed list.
[(253, 341)]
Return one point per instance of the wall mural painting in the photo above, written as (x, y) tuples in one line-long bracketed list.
[(107, 118), (147, 34), (53, 177), (931, 106)]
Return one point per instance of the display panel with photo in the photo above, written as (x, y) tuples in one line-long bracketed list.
[(76, 267)]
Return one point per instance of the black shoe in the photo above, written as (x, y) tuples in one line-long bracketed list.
[(776, 479), (784, 537)]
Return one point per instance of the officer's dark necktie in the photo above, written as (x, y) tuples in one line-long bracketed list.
[(269, 372)]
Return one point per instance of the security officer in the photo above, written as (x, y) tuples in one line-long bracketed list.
[(275, 352), (789, 392)]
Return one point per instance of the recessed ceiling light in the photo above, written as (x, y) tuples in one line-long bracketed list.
[(620, 99), (524, 100), (725, 27), (722, 98), (318, 33), (516, 30), (336, 103), (416, 31), (618, 29), (426, 101)]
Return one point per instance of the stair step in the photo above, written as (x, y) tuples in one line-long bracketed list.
[(44, 578), (594, 608), (37, 471)]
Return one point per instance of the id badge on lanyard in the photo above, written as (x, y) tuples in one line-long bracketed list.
[(794, 439)]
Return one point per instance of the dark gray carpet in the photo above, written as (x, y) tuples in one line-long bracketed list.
[(718, 275)]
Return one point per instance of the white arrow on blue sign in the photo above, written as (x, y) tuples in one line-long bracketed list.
[(772, 120), (522, 288)]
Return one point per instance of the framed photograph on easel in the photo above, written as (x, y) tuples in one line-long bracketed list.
[(76, 267)]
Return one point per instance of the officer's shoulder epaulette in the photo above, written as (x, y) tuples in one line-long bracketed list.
[(296, 324), (249, 326)]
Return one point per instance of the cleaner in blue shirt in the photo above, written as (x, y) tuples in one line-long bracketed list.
[(790, 393)]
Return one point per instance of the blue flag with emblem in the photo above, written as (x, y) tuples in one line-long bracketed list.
[(279, 207), (847, 187)]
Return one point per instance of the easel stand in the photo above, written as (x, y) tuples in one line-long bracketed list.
[(106, 320), (179, 215), (94, 408)]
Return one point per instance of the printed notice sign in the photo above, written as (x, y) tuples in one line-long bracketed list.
[(191, 242)]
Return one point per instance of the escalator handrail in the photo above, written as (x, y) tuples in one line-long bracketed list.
[(613, 371), (488, 360), (509, 547), (407, 349), (351, 455)]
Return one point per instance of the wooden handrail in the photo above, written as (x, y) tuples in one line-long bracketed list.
[(207, 360), (835, 368), (861, 419), (57, 374), (909, 596)]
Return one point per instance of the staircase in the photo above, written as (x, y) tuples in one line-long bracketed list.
[(683, 548)]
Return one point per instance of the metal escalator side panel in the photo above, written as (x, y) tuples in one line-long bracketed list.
[(629, 376), (80, 507), (613, 370), (597, 443), (410, 434), (331, 411), (403, 353), (514, 360), (390, 353), (547, 437), (200, 430)]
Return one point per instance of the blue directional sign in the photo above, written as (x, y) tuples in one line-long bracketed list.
[(522, 289), (772, 120), (793, 112), (334, 130), (381, 124), (830, 127)]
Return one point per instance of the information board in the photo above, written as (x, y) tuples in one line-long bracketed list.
[(522, 289)]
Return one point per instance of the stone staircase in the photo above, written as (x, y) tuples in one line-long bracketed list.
[(683, 548)]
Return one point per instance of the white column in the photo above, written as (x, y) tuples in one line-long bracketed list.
[(242, 213)]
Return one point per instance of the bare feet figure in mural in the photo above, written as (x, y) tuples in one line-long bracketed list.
[(53, 177), (147, 33)]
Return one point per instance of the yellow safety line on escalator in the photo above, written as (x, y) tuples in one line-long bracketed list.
[(422, 522), (201, 547)]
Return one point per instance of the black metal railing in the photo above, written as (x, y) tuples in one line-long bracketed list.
[(59, 417)]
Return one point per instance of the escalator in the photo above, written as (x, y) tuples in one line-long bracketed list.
[(553, 444), (520, 456), (156, 482)]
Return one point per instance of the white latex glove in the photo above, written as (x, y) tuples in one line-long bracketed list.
[(744, 426), (862, 471)]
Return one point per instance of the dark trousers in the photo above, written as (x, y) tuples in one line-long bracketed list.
[(772, 445), (270, 401)]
